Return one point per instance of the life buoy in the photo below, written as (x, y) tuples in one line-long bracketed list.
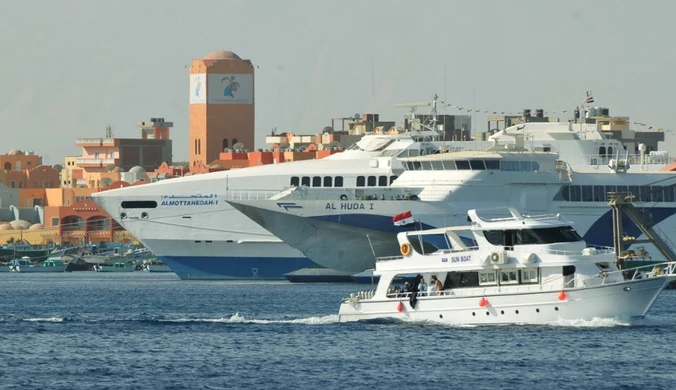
[(405, 249), (343, 197), (495, 257)]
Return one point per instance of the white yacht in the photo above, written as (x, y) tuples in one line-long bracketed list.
[(522, 269), (187, 223), (340, 228)]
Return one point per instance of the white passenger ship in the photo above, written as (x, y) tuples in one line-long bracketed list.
[(338, 228), (523, 269), (187, 223)]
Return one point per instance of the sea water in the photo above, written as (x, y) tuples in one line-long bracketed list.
[(87, 330)]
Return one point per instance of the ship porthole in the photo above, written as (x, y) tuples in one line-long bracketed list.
[(144, 215), (123, 215)]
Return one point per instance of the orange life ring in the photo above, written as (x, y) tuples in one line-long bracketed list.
[(405, 249)]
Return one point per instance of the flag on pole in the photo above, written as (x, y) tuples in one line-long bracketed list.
[(590, 98), (403, 219)]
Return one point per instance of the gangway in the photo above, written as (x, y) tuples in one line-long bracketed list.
[(622, 202)]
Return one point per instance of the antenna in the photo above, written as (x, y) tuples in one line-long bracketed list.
[(109, 131), (431, 119)]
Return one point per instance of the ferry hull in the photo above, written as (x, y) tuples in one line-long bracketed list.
[(234, 268), (625, 300)]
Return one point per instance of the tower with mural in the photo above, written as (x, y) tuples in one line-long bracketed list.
[(222, 106)]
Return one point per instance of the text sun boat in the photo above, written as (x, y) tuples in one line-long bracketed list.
[(523, 269)]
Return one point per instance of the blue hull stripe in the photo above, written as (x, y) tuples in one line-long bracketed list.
[(234, 268), (601, 232)]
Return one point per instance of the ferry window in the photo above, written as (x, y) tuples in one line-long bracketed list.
[(437, 165), (575, 194), (138, 204), (462, 165), (361, 181), (668, 194), (416, 166), (477, 165), (565, 193), (602, 151), (392, 179), (317, 181), (305, 181), (508, 165), (495, 237), (587, 194), (487, 278), (372, 181), (382, 181), (295, 181), (634, 190), (658, 194), (427, 166), (599, 194), (604, 267), (413, 152), (339, 181), (449, 165), (646, 196), (536, 166), (529, 275), (328, 181), (492, 164), (610, 189), (408, 166), (524, 166), (509, 277)]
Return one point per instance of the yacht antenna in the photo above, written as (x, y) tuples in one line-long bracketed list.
[(371, 245)]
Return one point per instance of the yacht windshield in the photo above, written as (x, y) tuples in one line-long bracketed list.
[(532, 236)]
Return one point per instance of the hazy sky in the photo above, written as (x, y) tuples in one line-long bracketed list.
[(71, 67)]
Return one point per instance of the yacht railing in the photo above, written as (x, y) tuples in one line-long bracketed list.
[(655, 270), (593, 250)]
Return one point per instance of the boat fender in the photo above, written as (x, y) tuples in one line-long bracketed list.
[(562, 296), (405, 249), (400, 307), (343, 197), (483, 302)]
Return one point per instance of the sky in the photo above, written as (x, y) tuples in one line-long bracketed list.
[(71, 67)]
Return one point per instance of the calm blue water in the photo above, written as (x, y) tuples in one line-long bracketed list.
[(90, 330)]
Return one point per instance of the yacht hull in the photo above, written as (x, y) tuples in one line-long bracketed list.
[(625, 300)]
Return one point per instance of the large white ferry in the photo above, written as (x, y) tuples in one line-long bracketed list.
[(343, 228), (506, 279), (188, 224)]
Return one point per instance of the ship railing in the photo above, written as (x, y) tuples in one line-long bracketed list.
[(603, 159), (250, 194)]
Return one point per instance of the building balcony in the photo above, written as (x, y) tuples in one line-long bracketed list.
[(81, 142), (95, 162)]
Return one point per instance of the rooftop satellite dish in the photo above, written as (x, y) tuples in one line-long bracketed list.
[(238, 146), (357, 116)]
